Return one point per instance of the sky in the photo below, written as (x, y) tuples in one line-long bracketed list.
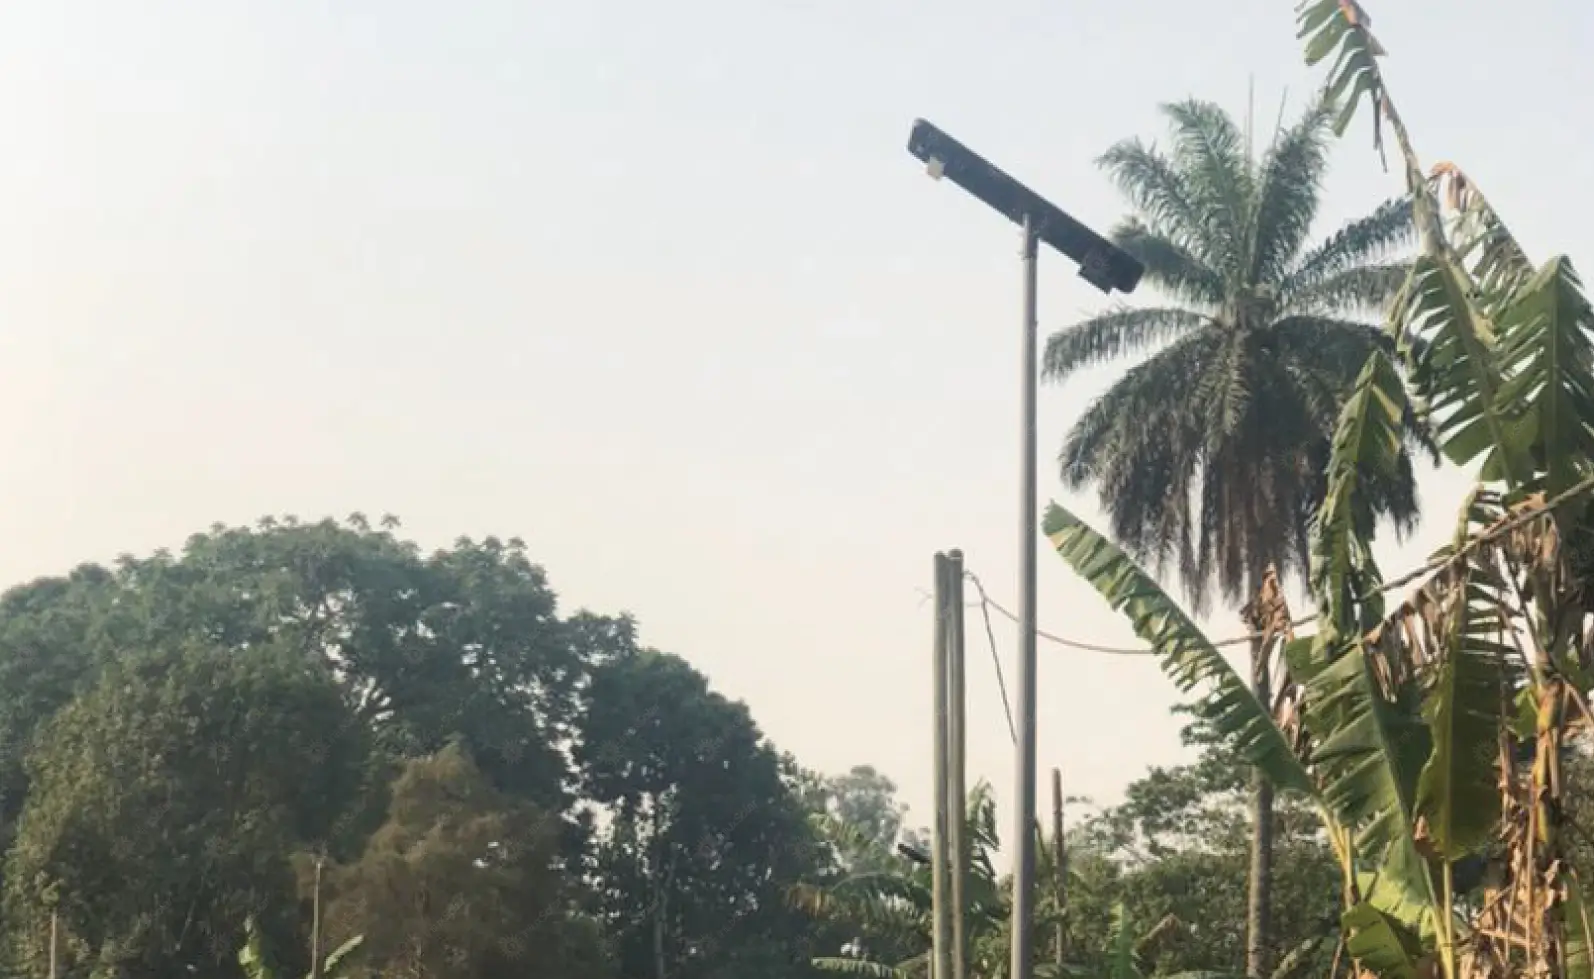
[(657, 288)]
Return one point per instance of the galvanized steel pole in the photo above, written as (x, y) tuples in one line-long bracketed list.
[(940, 882), (1023, 931)]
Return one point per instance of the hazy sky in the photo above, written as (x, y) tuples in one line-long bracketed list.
[(657, 288)]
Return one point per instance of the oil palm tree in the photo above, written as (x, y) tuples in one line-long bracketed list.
[(1212, 451)]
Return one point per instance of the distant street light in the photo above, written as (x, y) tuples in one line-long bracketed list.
[(1107, 267), (913, 853)]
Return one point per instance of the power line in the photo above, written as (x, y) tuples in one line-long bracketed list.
[(1426, 568), (987, 603), (996, 659)]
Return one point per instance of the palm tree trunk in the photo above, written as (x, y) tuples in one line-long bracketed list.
[(315, 921), (1259, 913)]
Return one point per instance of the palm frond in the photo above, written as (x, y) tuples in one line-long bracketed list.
[(1170, 266), (1141, 443), (1135, 408), (1367, 240), (1184, 451), (1325, 357), (1113, 334), (1287, 193), (1158, 192), (1226, 386), (1209, 154), (1362, 289), (1338, 346)]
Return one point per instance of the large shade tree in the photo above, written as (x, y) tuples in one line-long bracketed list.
[(704, 829), (1211, 452)]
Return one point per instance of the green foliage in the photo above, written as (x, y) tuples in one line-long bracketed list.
[(462, 880), (184, 731), (1184, 652), (1179, 846), (47, 630), (166, 800), (863, 806), (1382, 942), (465, 641), (706, 829), (252, 957), (1369, 756), (167, 770), (1547, 350), (1458, 796), (1248, 368), (886, 910), (1366, 446), (1433, 736)]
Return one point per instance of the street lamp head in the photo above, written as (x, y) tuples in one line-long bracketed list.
[(1101, 263), (1097, 269)]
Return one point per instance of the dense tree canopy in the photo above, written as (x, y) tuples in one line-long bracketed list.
[(462, 880), (165, 803), (706, 828), (178, 732), (1179, 845), (486, 786)]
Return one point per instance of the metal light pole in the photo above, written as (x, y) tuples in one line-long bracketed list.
[(1106, 267)]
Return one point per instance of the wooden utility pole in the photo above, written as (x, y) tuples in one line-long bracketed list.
[(1259, 887), (1059, 866), (53, 942), (941, 904), (957, 791)]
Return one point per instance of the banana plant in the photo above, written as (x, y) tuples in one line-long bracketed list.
[(1431, 734), (1128, 956), (1399, 753), (1505, 368), (1125, 956), (1362, 775), (893, 908), (253, 960), (1188, 657)]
